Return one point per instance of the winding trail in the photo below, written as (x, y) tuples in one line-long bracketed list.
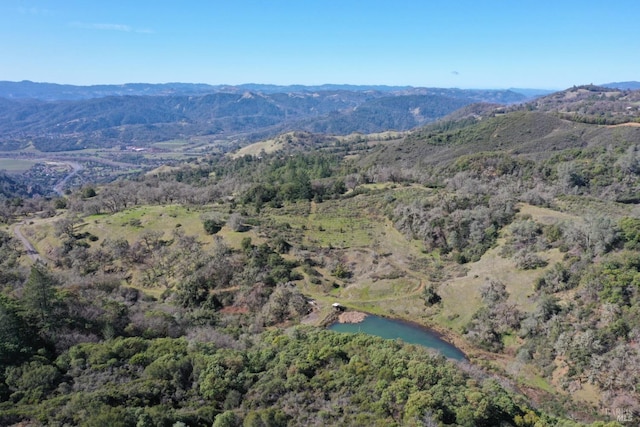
[(58, 188), (31, 251)]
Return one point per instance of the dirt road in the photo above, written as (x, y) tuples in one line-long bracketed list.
[(31, 251), (76, 167)]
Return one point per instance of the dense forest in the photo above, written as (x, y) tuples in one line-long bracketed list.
[(196, 294)]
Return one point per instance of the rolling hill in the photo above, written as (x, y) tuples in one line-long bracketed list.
[(124, 120), (176, 296), (591, 104), (60, 92), (531, 135), (633, 85), (577, 118)]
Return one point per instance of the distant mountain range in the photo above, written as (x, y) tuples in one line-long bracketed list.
[(59, 92), (623, 85), (228, 113), (55, 117)]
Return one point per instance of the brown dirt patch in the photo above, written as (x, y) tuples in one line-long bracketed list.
[(234, 310), (313, 318), (633, 124), (351, 317)]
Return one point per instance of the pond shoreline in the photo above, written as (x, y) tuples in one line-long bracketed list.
[(355, 317)]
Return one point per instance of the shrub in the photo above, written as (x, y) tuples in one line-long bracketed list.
[(60, 203), (630, 228), (555, 280), (237, 222), (529, 261), (281, 246), (135, 222), (341, 271), (88, 192), (430, 295), (211, 226)]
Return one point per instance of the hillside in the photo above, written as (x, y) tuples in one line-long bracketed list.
[(531, 135), (633, 85), (197, 291), (59, 92), (592, 104), (12, 186), (224, 116)]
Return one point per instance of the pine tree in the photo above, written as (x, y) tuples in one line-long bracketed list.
[(38, 296), (15, 337)]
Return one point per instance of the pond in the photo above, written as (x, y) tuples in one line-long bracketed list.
[(407, 332)]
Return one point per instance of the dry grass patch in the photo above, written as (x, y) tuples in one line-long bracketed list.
[(545, 216), (578, 206), (460, 295), (130, 223), (16, 165), (41, 235), (234, 238), (268, 146)]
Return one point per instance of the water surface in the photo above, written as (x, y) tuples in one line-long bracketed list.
[(407, 332)]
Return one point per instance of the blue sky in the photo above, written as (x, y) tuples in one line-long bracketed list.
[(433, 43)]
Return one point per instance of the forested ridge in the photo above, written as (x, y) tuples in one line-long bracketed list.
[(177, 295), (165, 112)]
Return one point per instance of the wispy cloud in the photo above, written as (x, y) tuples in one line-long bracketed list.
[(111, 27), (106, 27), (34, 11)]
